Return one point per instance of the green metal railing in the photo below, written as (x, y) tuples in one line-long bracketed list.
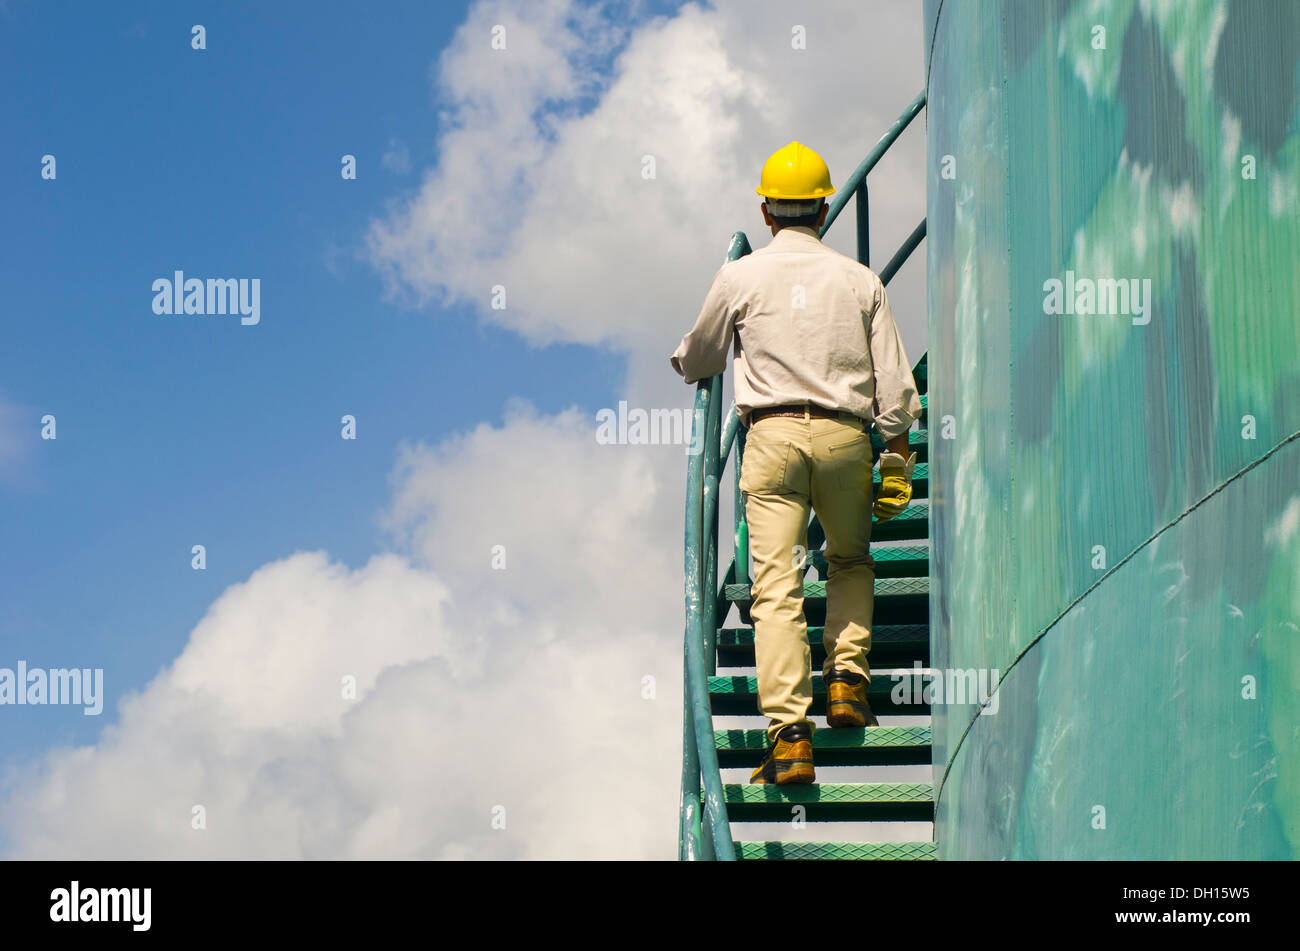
[(705, 832)]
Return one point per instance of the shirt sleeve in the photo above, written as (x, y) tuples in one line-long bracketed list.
[(897, 402), (703, 351)]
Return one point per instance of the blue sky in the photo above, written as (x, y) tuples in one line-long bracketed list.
[(175, 431)]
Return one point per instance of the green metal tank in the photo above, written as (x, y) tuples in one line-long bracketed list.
[(1113, 260)]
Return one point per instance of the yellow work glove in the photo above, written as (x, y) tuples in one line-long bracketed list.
[(895, 485)]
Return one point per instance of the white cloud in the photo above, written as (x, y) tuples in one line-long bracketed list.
[(554, 206), (479, 688)]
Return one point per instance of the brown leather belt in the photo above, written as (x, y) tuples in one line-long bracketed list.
[(797, 409)]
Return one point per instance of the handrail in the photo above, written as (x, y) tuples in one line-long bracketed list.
[(706, 833), (904, 252), (859, 176)]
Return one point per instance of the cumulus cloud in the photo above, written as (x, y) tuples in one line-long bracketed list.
[(515, 692), (553, 202), (482, 688), (540, 187)]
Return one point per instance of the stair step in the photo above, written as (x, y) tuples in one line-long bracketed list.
[(884, 588), (918, 441), (868, 746), (830, 802), (738, 696), (892, 645), (860, 851), (913, 522), (895, 561), (897, 600), (920, 480)]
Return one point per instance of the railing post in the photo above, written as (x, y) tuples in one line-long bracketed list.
[(691, 843), (712, 469), (707, 851), (714, 825), (864, 225), (689, 836), (731, 429)]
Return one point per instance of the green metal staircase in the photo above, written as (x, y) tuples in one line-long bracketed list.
[(900, 639)]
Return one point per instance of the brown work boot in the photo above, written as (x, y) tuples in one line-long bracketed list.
[(846, 700), (790, 758)]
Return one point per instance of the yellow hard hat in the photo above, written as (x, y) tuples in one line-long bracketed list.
[(795, 171)]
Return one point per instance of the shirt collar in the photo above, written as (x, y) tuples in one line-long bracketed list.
[(796, 234)]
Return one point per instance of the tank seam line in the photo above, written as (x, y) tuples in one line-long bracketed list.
[(1069, 607)]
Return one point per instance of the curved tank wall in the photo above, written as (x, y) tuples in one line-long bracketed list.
[(1115, 483)]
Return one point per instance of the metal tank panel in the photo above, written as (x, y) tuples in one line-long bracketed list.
[(1115, 496)]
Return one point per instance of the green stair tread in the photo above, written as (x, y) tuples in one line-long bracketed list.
[(738, 696), (884, 634), (918, 441), (915, 437), (911, 523), (846, 793), (892, 561), (892, 646), (742, 685), (885, 588), (892, 552), (887, 553), (830, 802), (852, 851), (899, 645), (826, 739), (863, 746)]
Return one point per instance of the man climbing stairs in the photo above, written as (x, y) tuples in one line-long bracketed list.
[(900, 639), (900, 619)]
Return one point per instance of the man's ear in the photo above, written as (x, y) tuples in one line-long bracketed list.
[(767, 219), (826, 210)]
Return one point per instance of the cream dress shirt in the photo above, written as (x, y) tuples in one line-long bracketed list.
[(811, 326)]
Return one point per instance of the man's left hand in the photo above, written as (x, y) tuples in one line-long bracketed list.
[(895, 485)]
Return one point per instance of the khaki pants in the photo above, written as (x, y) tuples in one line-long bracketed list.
[(790, 464)]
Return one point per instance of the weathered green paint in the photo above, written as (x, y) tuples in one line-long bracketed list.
[(706, 834), (1061, 436)]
